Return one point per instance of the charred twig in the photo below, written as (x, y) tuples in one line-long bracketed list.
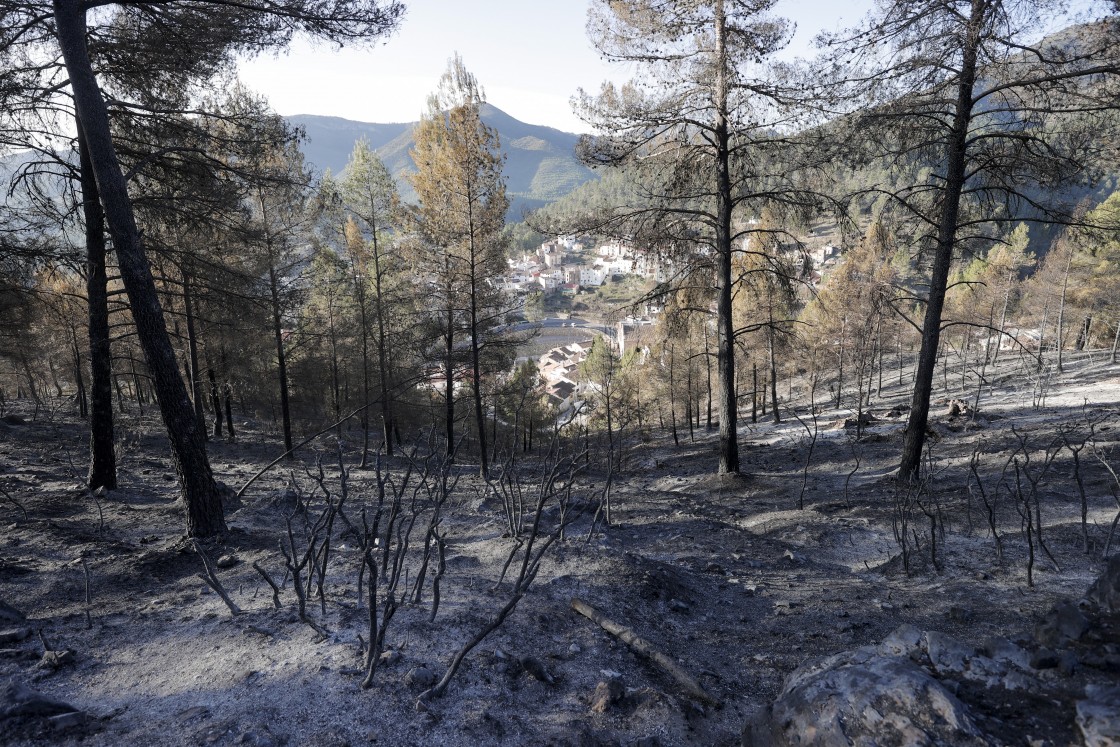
[(533, 553), (8, 497), (441, 568), (989, 504), (89, 595), (211, 579), (295, 565), (268, 579)]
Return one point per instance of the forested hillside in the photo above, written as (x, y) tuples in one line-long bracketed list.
[(541, 165)]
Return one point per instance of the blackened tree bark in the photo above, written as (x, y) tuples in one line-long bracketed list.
[(975, 113), (698, 132), (370, 192), (205, 516), (281, 357), (955, 158), (192, 352), (725, 326), (215, 401), (102, 455)]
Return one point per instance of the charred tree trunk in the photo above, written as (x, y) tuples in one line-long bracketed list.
[(725, 334), (449, 384), (205, 515), (364, 319), (79, 376), (102, 454), (215, 401), (1061, 332), (281, 357), (384, 366), (915, 437), (773, 364), (192, 353), (476, 376)]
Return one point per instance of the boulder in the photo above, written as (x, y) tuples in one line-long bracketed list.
[(1063, 624), (1105, 591), (1098, 716), (863, 698), (9, 614), (17, 700)]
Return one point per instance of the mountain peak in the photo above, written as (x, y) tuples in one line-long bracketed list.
[(540, 164)]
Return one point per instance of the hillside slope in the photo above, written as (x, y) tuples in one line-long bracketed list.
[(541, 166)]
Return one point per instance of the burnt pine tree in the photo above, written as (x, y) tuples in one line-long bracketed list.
[(35, 30), (460, 216), (282, 215), (370, 194), (976, 118), (698, 130)]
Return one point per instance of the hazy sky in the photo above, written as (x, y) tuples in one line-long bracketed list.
[(530, 56)]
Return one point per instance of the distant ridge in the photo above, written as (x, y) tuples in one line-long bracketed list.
[(541, 166)]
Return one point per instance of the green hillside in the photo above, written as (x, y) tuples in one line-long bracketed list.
[(541, 166)]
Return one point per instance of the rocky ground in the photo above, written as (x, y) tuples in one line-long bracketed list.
[(763, 599)]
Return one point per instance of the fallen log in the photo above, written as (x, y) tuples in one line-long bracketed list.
[(640, 645)]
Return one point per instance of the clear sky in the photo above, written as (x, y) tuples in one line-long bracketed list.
[(530, 56)]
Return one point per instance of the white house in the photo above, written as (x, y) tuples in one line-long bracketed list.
[(550, 279), (591, 276), (614, 249)]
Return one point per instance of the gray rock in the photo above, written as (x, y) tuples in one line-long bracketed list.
[(1016, 680), (607, 693), (862, 697), (1004, 651), (905, 640), (1098, 716), (19, 701), (9, 615), (1065, 623), (951, 658), (1105, 591), (14, 635), (420, 677), (947, 655)]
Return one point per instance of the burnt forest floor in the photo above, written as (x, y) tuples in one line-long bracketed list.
[(728, 577)]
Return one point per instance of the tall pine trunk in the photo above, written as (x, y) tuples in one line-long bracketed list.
[(281, 357), (383, 364), (449, 384), (725, 335), (192, 353), (102, 453), (955, 158), (205, 516)]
